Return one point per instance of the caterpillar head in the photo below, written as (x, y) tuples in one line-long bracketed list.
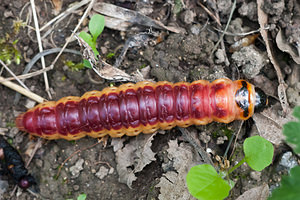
[(261, 100), (249, 99)]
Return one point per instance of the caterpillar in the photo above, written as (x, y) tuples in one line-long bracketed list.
[(143, 107)]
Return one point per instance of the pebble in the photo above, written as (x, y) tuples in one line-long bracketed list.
[(77, 168), (251, 60), (255, 175), (3, 187), (288, 160), (75, 187), (103, 171)]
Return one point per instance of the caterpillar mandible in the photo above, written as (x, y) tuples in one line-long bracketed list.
[(143, 107)]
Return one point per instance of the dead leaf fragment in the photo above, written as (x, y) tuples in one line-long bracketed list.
[(258, 193), (263, 20), (285, 47), (134, 157), (269, 124), (172, 184), (57, 6), (112, 12)]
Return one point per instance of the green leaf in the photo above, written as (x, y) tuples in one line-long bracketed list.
[(205, 183), (87, 64), (289, 188), (86, 37), (292, 131), (96, 26), (81, 197), (258, 152)]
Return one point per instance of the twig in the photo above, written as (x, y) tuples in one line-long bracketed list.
[(210, 13), (74, 31), (231, 139), (21, 83), (21, 90), (263, 20), (36, 147), (238, 34), (38, 35), (35, 59), (226, 27), (65, 13), (73, 154)]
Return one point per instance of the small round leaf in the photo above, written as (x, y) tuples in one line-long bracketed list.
[(258, 152), (205, 183), (96, 25)]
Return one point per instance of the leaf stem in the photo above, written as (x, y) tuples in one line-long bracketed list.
[(237, 165)]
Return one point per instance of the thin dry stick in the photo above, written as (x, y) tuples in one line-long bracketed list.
[(21, 83), (73, 154), (239, 34), (210, 14), (38, 35), (226, 27), (65, 13), (21, 90), (36, 147), (74, 31), (236, 137)]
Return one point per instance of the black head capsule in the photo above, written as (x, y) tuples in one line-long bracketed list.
[(261, 100)]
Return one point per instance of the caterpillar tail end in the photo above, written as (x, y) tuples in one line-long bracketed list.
[(19, 122)]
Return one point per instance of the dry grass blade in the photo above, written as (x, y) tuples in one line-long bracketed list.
[(21, 90), (21, 83), (38, 35), (263, 20)]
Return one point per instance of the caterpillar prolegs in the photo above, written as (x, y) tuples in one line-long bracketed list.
[(143, 107)]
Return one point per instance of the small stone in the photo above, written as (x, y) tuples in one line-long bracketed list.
[(8, 14), (103, 171), (3, 187), (204, 137), (111, 170), (220, 56), (13, 132), (221, 140), (39, 163), (75, 170), (188, 16), (76, 187), (288, 160), (29, 104), (251, 60), (255, 175), (195, 29)]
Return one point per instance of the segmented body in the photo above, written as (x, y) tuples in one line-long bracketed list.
[(142, 107)]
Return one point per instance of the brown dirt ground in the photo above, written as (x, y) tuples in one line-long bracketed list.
[(179, 57)]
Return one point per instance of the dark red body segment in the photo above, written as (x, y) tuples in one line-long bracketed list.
[(131, 109)]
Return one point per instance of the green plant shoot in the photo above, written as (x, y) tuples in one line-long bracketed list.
[(204, 182), (96, 26), (289, 186), (292, 131)]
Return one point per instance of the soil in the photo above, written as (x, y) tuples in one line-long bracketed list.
[(95, 170)]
